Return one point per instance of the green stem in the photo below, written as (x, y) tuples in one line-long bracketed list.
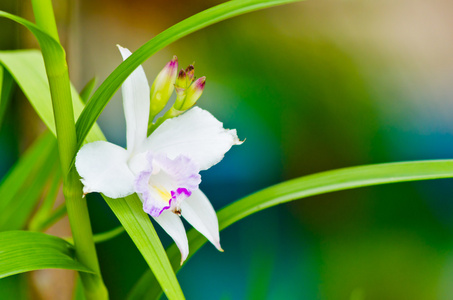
[(58, 76), (45, 18), (77, 209)]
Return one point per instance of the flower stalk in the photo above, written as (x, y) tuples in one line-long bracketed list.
[(58, 76)]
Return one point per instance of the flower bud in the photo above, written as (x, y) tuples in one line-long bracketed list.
[(188, 91), (192, 94), (181, 80), (163, 87), (190, 71)]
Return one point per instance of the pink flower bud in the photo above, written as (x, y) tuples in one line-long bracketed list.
[(163, 87), (193, 93), (181, 80), (190, 71)]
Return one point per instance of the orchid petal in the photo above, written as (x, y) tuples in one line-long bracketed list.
[(198, 211), (173, 226), (103, 168), (196, 134), (136, 105)]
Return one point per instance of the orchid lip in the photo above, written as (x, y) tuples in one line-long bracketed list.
[(165, 183)]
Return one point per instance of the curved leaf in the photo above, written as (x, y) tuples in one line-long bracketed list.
[(196, 22), (302, 187), (23, 251)]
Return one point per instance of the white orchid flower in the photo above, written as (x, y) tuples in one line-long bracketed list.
[(163, 169)]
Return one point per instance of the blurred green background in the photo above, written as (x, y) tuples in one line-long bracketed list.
[(311, 86)]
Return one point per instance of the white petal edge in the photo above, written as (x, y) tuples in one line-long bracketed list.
[(174, 227), (103, 168), (135, 91), (198, 211), (196, 134)]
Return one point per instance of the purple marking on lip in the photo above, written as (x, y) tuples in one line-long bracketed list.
[(180, 194), (155, 211), (141, 186), (185, 191)]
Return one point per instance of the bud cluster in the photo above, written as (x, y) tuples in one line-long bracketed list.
[(188, 91)]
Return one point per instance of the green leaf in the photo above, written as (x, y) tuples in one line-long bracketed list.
[(108, 235), (45, 217), (28, 70), (6, 87), (15, 287), (139, 227), (104, 236), (51, 219), (302, 187), (23, 251), (18, 212), (78, 290), (196, 22), (23, 184), (85, 93)]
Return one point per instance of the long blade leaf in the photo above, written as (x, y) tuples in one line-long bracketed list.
[(139, 227), (23, 251), (299, 188)]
